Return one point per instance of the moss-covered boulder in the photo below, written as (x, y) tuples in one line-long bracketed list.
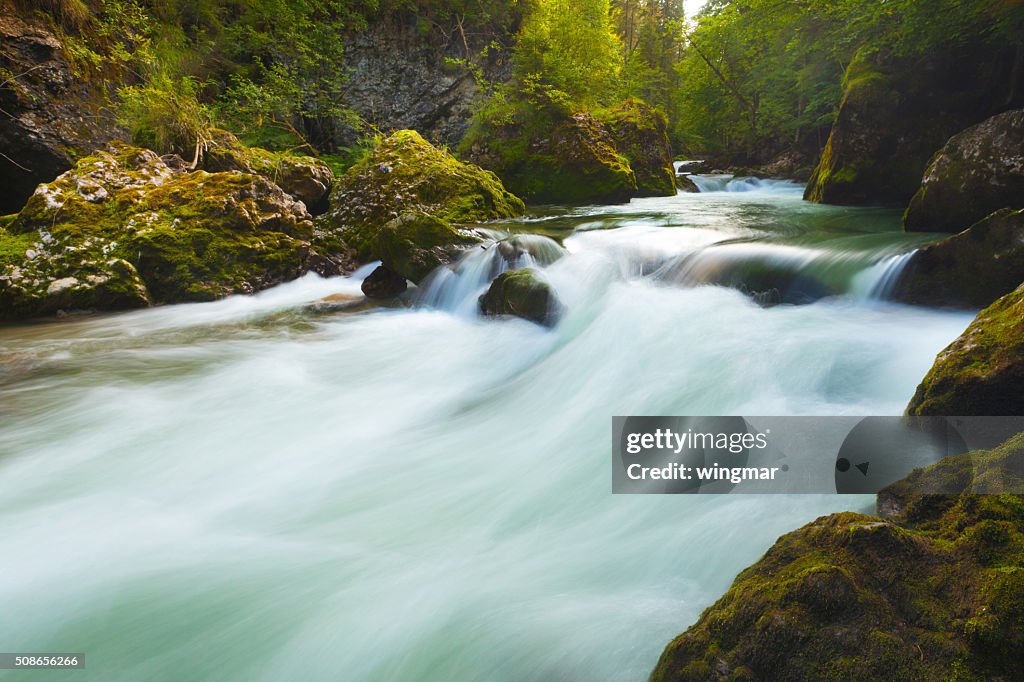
[(982, 372), (970, 270), (554, 158), (640, 133), (406, 174), (304, 178), (894, 115), (522, 293), (979, 171), (686, 184), (935, 592), (124, 230), (416, 243)]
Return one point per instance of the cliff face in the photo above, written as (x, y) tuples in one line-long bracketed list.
[(48, 114), (935, 590), (403, 77)]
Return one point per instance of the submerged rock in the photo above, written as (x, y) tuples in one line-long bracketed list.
[(970, 270), (417, 243), (540, 250), (894, 115), (979, 171), (982, 372), (122, 229), (522, 293), (936, 591), (572, 159), (406, 174), (304, 178), (640, 133)]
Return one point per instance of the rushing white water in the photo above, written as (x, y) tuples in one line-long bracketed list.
[(245, 490)]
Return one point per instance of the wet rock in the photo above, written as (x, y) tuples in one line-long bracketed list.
[(123, 229), (383, 283), (304, 178), (522, 293), (640, 133), (341, 303), (979, 171), (982, 372), (970, 270), (415, 244), (523, 249), (406, 174), (686, 184)]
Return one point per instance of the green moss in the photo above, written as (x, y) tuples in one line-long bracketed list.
[(522, 293), (640, 133), (416, 243), (935, 592), (549, 156), (406, 173), (982, 372), (123, 230)]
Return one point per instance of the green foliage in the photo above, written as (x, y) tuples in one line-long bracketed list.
[(568, 48), (757, 71), (165, 114)]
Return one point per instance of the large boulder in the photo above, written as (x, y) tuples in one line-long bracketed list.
[(982, 372), (979, 171), (524, 294), (122, 230), (569, 159), (640, 133), (416, 243), (304, 178), (406, 174), (894, 115), (970, 270), (50, 114), (933, 592)]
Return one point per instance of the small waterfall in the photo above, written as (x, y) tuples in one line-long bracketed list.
[(878, 282), (730, 183), (457, 288), (770, 273)]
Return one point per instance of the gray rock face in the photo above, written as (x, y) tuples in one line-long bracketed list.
[(47, 113), (979, 171), (400, 80)]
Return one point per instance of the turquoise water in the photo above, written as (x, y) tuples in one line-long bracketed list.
[(246, 490)]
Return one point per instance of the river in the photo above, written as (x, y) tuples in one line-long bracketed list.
[(245, 490)]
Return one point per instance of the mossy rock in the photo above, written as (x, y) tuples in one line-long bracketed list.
[(123, 230), (303, 177), (524, 294), (894, 115), (640, 133), (982, 372), (970, 270), (416, 243), (404, 174), (686, 184), (979, 171), (554, 158), (933, 592)]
